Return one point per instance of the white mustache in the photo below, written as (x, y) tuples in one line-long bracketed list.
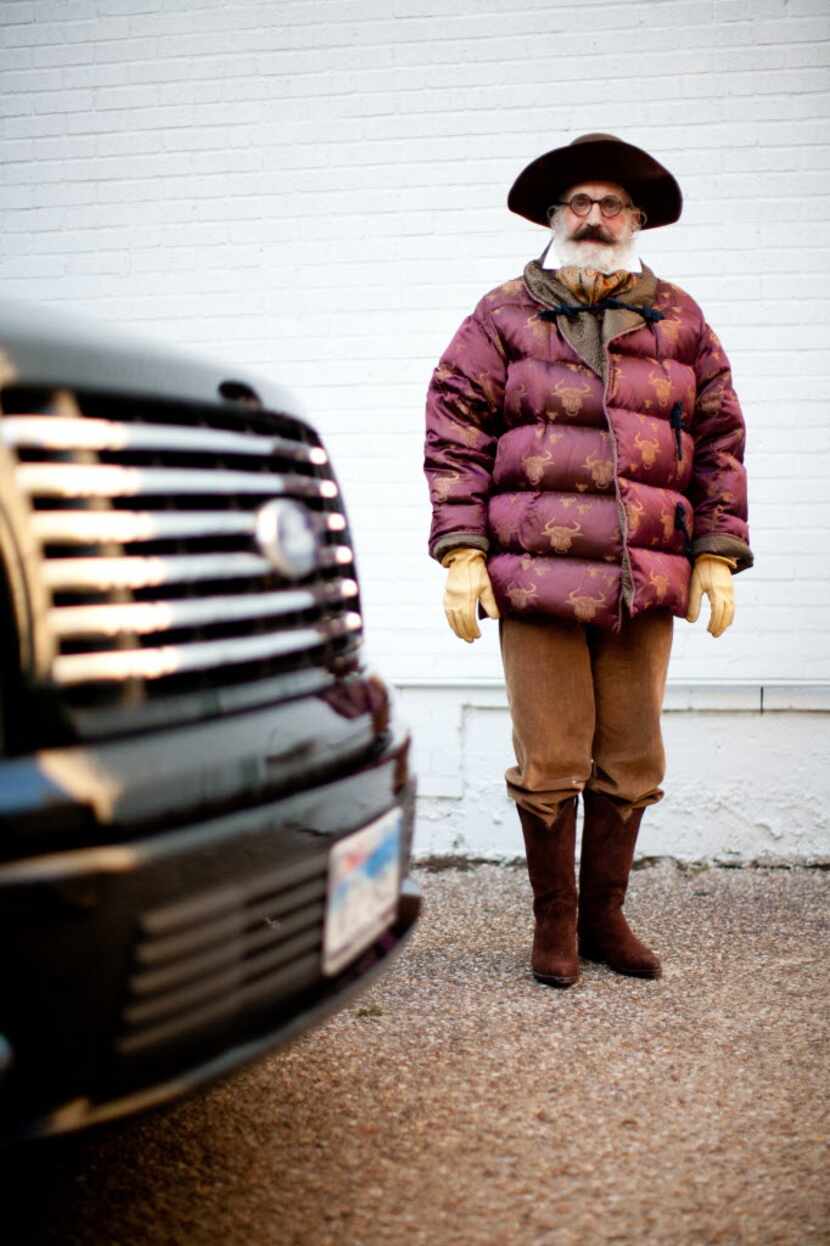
[(592, 233)]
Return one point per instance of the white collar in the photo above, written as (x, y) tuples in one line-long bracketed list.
[(634, 267), (550, 251)]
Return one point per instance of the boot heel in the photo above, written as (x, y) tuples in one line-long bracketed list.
[(550, 980)]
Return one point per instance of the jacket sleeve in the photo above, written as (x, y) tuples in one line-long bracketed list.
[(463, 418), (718, 486)]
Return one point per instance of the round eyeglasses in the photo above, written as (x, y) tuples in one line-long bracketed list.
[(580, 205)]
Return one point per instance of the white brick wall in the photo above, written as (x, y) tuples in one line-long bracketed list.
[(317, 190)]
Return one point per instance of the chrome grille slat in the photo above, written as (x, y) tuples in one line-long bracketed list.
[(63, 574), (68, 480), (144, 617), (157, 663), (67, 433), (87, 527)]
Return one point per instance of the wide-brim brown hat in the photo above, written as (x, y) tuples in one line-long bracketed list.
[(592, 158)]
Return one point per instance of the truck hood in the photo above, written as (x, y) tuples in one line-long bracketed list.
[(48, 347)]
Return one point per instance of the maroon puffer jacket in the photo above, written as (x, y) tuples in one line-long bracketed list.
[(590, 471)]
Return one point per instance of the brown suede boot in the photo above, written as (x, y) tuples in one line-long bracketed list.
[(607, 853), (550, 866)]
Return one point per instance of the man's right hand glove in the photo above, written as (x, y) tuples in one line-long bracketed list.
[(467, 584), (712, 575)]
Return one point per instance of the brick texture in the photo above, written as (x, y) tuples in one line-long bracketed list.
[(316, 190)]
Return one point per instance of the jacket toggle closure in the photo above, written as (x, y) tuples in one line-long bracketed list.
[(681, 526), (650, 314), (676, 421)]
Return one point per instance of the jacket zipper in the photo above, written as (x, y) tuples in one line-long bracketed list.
[(627, 593)]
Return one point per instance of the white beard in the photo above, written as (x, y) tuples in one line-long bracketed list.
[(602, 256)]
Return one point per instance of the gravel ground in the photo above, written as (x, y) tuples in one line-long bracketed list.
[(460, 1102)]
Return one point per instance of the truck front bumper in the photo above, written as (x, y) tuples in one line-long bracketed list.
[(142, 969)]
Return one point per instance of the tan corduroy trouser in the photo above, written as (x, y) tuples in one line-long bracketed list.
[(585, 704)]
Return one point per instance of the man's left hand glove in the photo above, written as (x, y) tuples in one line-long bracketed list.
[(467, 584), (712, 575)]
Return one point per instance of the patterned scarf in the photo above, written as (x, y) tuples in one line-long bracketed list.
[(589, 286)]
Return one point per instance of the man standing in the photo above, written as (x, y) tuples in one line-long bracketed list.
[(584, 454)]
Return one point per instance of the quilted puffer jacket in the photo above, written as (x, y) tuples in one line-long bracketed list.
[(591, 452)]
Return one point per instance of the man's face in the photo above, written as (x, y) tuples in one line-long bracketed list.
[(604, 243), (596, 228)]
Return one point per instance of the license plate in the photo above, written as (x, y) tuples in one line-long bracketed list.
[(363, 885)]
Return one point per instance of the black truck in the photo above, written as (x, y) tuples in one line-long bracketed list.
[(206, 805)]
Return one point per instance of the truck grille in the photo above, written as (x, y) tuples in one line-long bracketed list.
[(230, 952), (145, 514)]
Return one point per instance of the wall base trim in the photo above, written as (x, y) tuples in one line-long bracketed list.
[(682, 696)]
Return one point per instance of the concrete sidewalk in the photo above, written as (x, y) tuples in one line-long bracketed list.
[(459, 1102)]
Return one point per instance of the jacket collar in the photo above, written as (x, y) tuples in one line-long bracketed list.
[(584, 333)]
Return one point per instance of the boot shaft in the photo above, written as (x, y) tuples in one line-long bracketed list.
[(550, 853), (608, 844)]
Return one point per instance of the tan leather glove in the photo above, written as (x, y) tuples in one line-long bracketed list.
[(712, 575), (467, 584)]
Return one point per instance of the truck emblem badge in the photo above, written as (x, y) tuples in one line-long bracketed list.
[(285, 535)]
